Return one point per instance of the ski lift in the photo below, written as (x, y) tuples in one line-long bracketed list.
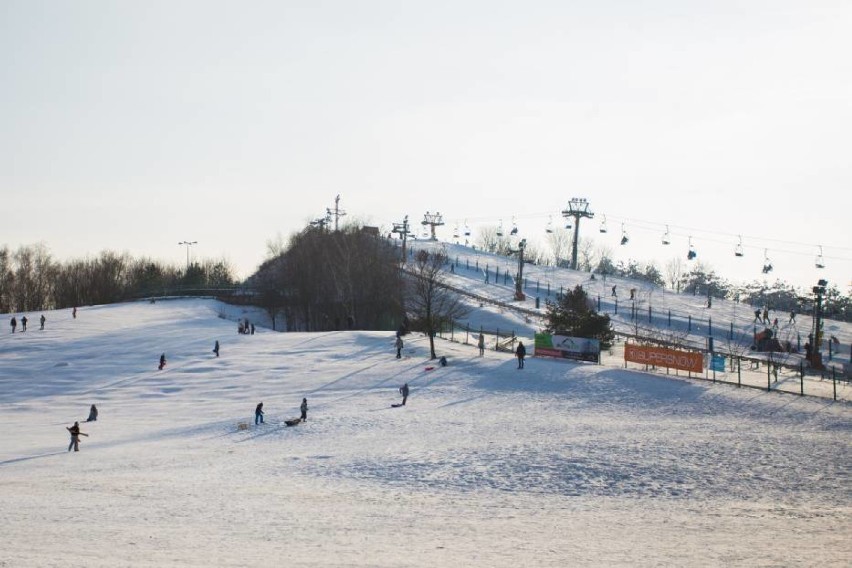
[(466, 229), (691, 254), (624, 237), (820, 263), (456, 232), (500, 229), (767, 264), (514, 230), (738, 251), (603, 225), (549, 228), (667, 237)]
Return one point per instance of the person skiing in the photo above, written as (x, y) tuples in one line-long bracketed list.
[(304, 409), (13, 323), (403, 390), (162, 361), (521, 352), (399, 345), (24, 323), (93, 414), (481, 344), (75, 436), (216, 348), (42, 319), (258, 414)]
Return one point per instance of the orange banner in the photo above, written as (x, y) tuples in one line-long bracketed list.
[(662, 357)]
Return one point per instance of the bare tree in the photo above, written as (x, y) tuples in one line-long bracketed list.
[(428, 301), (560, 245), (674, 272)]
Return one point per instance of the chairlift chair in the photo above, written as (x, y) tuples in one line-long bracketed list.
[(549, 228), (514, 230), (820, 263), (738, 251), (500, 229), (466, 229), (667, 237), (624, 237), (691, 254), (767, 264), (456, 232), (603, 225)]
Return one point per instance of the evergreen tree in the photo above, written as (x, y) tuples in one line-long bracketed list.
[(574, 315)]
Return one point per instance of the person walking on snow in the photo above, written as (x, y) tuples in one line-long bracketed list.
[(766, 316), (74, 312), (793, 316), (399, 345), (24, 323), (403, 390), (216, 348), (258, 414), (93, 414), (162, 361), (75, 436), (521, 352), (42, 319), (304, 409), (481, 344), (13, 323)]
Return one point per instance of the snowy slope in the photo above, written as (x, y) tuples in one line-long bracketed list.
[(559, 464)]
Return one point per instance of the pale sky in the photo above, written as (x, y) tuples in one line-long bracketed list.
[(132, 126)]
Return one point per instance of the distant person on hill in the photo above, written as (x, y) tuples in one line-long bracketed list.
[(42, 319), (258, 414), (13, 323), (24, 323), (252, 329), (757, 315), (633, 293), (614, 295), (481, 344), (216, 348), (793, 316), (521, 352), (775, 324), (93, 414), (74, 312), (162, 361), (766, 315), (399, 345), (403, 390), (304, 408), (241, 328)]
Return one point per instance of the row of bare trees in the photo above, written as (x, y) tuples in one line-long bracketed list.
[(31, 280)]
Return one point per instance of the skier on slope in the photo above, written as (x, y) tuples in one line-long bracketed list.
[(258, 414), (304, 409), (162, 361)]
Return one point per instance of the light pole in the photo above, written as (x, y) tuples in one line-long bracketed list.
[(819, 292), (188, 244), (519, 281)]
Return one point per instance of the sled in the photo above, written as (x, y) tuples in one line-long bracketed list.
[(242, 425), (430, 368), (293, 421), (396, 405)]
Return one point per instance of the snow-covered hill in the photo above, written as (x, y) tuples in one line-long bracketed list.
[(558, 464)]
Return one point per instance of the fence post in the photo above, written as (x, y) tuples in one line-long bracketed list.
[(467, 334), (599, 302), (739, 373), (497, 340), (801, 379), (616, 306), (731, 335), (650, 318), (710, 326), (452, 330), (670, 318), (769, 374), (537, 285), (834, 384), (689, 323), (548, 288)]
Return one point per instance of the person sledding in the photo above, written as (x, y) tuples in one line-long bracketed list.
[(75, 436)]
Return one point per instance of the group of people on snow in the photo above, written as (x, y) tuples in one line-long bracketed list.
[(245, 327)]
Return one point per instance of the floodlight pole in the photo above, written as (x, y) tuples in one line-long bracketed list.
[(577, 208), (188, 244), (402, 230), (819, 291), (519, 281)]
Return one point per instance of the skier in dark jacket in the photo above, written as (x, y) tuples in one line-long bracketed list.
[(403, 390), (75, 436), (399, 345), (24, 323), (93, 414), (258, 414), (43, 319), (162, 361), (13, 323), (216, 348), (304, 409), (521, 352)]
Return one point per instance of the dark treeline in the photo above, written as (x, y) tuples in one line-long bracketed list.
[(329, 280), (31, 280)]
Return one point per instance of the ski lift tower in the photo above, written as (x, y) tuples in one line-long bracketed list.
[(519, 281), (402, 230), (577, 208), (433, 220)]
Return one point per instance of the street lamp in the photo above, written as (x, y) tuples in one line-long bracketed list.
[(819, 292), (519, 281), (188, 244)]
